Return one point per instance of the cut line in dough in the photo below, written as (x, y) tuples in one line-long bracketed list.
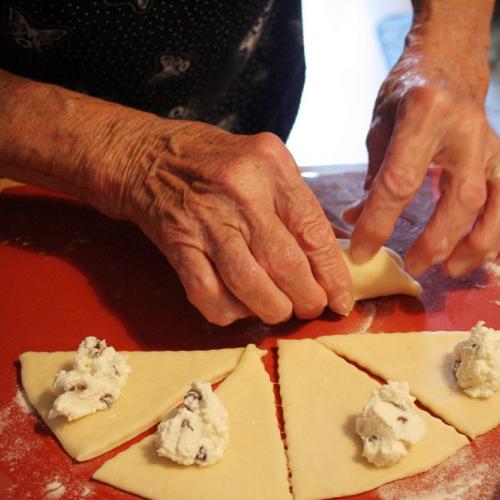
[(425, 360), (254, 462), (322, 394), (158, 382)]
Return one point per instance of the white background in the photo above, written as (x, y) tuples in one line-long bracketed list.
[(345, 67)]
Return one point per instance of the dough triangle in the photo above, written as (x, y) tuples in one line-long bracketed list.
[(382, 275), (425, 360), (254, 463), (322, 395), (157, 383)]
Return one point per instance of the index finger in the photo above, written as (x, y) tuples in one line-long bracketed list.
[(302, 214), (407, 158)]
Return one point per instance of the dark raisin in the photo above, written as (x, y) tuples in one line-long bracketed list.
[(78, 387), (99, 346), (372, 439), (191, 396), (187, 423), (202, 455), (398, 406), (107, 399), (402, 419), (474, 347)]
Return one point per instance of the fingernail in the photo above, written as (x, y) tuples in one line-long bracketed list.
[(343, 304), (455, 268), (361, 254), (491, 257), (438, 259)]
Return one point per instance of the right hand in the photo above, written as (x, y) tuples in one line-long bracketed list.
[(236, 221)]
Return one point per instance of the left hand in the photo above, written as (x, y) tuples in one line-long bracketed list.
[(430, 110)]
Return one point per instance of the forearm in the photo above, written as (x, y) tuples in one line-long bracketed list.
[(59, 139)]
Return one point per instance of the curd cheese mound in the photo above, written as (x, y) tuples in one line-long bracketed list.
[(477, 363), (99, 373), (197, 432), (389, 423)]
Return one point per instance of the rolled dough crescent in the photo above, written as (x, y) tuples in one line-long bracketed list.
[(157, 383), (425, 360), (322, 395), (254, 463), (383, 275)]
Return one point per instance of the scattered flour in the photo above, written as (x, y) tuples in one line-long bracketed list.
[(22, 401), (368, 312), (496, 302), (86, 491), (21, 447), (461, 477), (54, 489), (4, 417), (493, 269)]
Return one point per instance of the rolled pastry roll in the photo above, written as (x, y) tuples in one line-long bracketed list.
[(383, 275)]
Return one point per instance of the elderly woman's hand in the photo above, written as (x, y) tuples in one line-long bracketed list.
[(430, 111), (237, 222)]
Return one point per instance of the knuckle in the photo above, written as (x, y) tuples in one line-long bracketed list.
[(471, 196), (267, 143), (230, 178), (288, 260), (201, 288), (400, 184), (429, 97), (242, 278), (270, 149), (316, 236)]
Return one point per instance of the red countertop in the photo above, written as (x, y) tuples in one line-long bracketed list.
[(67, 272)]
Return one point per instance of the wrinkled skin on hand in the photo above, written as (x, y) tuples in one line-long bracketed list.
[(237, 222), (430, 111)]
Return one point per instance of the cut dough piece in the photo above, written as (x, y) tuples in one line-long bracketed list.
[(383, 275), (322, 395), (158, 382), (425, 360), (254, 462)]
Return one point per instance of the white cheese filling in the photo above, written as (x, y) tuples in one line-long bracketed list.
[(197, 432), (477, 362), (99, 373), (389, 424)]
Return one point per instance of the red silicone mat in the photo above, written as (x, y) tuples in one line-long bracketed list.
[(67, 272)]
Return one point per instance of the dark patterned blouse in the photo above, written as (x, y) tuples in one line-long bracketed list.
[(238, 64)]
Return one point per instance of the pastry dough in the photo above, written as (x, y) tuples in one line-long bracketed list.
[(322, 395), (425, 360), (383, 275), (158, 382), (254, 462)]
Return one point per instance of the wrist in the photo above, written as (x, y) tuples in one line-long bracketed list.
[(450, 41), (68, 142)]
